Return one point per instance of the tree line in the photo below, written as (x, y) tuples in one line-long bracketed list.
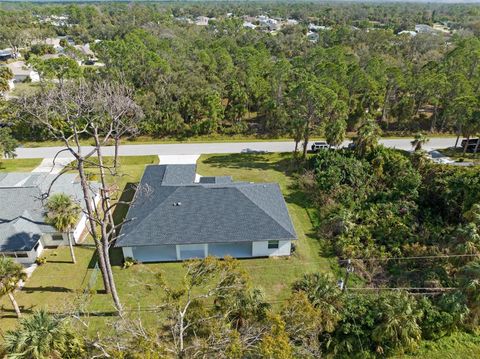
[(224, 79)]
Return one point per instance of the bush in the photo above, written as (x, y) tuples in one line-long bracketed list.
[(41, 260), (128, 262)]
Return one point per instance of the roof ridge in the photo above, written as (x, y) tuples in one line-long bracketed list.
[(281, 225)]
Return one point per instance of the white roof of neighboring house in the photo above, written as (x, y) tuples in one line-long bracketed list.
[(407, 32), (424, 28), (249, 25), (6, 52)]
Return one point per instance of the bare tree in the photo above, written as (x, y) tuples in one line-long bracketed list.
[(71, 112), (122, 113)]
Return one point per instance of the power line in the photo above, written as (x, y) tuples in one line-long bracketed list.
[(442, 256)]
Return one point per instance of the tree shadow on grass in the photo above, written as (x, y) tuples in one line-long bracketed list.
[(60, 262), (9, 313), (119, 214), (54, 289)]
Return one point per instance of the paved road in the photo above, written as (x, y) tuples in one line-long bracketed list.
[(205, 148)]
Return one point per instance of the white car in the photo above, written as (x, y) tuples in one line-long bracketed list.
[(317, 146)]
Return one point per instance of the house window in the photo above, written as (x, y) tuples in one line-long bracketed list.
[(36, 246), (272, 244), (9, 255), (22, 255), (57, 237)]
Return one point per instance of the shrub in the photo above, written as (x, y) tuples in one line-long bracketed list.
[(41, 260), (128, 262)]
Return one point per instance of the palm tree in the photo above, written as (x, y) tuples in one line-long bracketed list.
[(42, 336), (419, 141), (367, 137), (10, 274), (63, 213)]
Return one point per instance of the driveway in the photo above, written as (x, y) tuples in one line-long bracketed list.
[(224, 147), (48, 166)]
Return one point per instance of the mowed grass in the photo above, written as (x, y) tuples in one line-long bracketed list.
[(137, 285), (60, 285), (457, 154), (138, 288), (19, 165)]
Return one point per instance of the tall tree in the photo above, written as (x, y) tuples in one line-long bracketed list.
[(367, 137)]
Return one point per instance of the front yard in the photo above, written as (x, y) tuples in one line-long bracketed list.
[(59, 285), (19, 165)]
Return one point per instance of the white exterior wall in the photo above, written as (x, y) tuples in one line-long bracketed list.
[(127, 252), (80, 227), (32, 255), (82, 224), (260, 249), (34, 76), (49, 242)]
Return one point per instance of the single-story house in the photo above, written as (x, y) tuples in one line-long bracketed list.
[(23, 230), (178, 215), (22, 72)]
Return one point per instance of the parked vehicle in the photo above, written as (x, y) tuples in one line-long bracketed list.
[(472, 144), (317, 146)]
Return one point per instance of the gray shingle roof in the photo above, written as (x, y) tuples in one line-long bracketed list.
[(216, 180), (22, 215), (232, 212)]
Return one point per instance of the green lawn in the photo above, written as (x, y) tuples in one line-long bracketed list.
[(458, 345), (19, 165), (273, 275), (59, 284)]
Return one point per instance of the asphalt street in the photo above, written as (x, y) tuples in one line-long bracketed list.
[(206, 148)]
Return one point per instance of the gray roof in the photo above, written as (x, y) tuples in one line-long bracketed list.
[(181, 213), (215, 180), (22, 215)]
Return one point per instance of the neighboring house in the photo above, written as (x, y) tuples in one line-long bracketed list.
[(407, 32), (202, 21), (249, 25), (22, 72), (6, 54), (424, 29), (174, 217), (23, 230)]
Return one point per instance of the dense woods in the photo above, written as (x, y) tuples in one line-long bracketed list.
[(224, 78)]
